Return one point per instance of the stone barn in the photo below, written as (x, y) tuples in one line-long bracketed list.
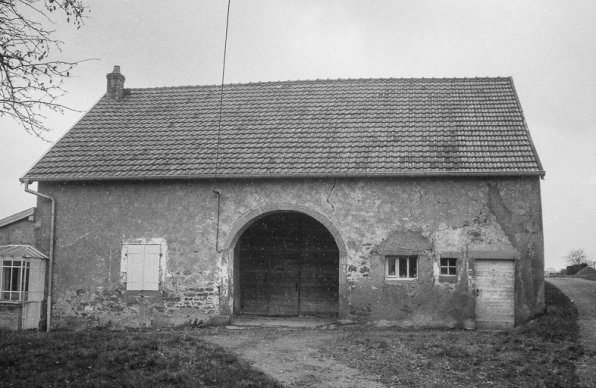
[(413, 202)]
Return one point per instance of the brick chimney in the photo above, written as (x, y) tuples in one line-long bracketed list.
[(115, 84)]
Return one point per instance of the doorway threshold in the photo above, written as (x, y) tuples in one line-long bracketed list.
[(292, 322)]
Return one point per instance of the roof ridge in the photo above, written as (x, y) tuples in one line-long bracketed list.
[(321, 80)]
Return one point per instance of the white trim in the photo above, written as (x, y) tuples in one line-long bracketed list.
[(396, 259)]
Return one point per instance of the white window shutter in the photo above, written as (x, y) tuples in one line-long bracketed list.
[(134, 270), (152, 256)]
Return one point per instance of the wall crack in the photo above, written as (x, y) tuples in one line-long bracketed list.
[(330, 194)]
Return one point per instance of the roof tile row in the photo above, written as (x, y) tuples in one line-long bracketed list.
[(347, 127)]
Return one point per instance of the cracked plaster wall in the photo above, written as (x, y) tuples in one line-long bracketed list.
[(375, 217)]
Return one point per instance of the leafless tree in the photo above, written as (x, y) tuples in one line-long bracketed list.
[(31, 80), (576, 256)]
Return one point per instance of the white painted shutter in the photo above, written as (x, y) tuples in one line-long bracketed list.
[(143, 267), (134, 270), (37, 278), (151, 279)]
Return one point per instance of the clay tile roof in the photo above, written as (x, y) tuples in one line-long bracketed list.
[(360, 127)]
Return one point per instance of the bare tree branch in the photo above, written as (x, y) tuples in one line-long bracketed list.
[(576, 256), (29, 82)]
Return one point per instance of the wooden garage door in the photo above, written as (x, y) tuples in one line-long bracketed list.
[(289, 265), (270, 283), (495, 294)]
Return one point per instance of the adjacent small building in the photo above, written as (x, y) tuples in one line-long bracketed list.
[(413, 202), (19, 228), (22, 285)]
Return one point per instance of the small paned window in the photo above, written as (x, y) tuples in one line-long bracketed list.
[(448, 266), (401, 267), (14, 280)]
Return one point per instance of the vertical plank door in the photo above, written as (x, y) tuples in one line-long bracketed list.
[(254, 277), (284, 283), (495, 294)]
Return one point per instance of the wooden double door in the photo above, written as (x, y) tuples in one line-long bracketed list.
[(289, 265)]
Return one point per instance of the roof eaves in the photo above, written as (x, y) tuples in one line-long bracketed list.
[(290, 176), (22, 179), (17, 217)]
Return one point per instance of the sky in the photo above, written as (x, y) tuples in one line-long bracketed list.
[(548, 47)]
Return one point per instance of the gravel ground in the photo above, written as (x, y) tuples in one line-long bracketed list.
[(583, 294)]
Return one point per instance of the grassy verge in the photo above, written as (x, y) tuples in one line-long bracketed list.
[(591, 276), (538, 354), (109, 359)]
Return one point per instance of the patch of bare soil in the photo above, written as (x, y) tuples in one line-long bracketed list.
[(292, 356), (582, 292), (544, 352)]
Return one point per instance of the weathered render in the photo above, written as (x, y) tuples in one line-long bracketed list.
[(269, 215), (19, 228)]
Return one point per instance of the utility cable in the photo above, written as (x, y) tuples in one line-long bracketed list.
[(221, 94), (223, 77)]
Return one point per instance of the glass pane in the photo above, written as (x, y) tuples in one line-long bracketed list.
[(403, 268), (15, 279), (6, 279), (26, 280), (452, 271), (7, 263), (391, 266), (444, 271), (413, 270)]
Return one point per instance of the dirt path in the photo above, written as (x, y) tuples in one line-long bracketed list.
[(583, 293), (292, 357)]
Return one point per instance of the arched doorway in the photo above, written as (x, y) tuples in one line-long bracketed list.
[(287, 264)]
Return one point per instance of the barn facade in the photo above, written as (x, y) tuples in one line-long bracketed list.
[(413, 202)]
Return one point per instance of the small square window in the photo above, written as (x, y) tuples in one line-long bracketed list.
[(401, 267), (448, 266)]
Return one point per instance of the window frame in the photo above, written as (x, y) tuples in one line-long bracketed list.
[(395, 260), (9, 291), (449, 266)]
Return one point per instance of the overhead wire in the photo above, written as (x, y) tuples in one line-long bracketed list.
[(221, 94)]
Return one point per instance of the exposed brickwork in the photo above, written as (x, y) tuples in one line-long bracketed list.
[(173, 305), (11, 316)]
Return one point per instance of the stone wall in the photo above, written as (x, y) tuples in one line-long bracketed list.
[(370, 219)]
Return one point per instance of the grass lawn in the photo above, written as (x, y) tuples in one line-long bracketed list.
[(121, 359), (538, 354)]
